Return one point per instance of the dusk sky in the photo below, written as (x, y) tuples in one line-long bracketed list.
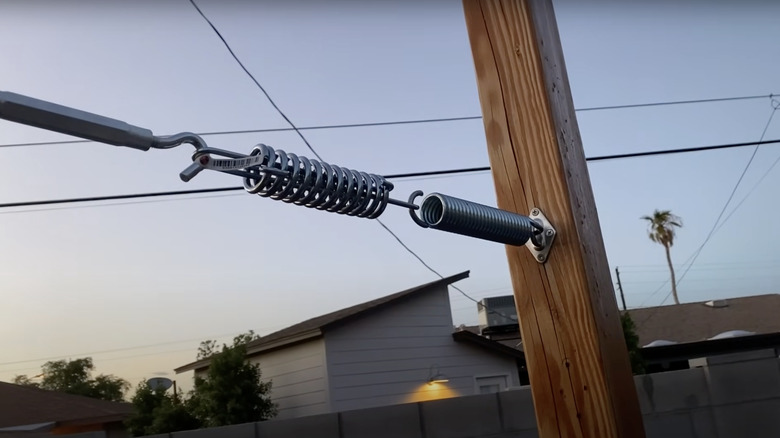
[(137, 284)]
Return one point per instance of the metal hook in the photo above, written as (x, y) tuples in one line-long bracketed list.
[(416, 194)]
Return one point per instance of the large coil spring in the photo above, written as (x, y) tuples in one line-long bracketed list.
[(316, 184), (447, 213)]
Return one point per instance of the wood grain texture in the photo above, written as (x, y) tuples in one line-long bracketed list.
[(577, 361)]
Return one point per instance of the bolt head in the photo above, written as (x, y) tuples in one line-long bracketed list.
[(535, 212), (540, 257), (549, 233), (204, 159)]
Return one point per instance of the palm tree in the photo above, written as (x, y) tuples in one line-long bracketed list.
[(661, 229)]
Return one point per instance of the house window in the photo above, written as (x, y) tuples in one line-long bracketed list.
[(491, 384)]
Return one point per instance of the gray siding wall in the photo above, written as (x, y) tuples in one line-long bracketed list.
[(387, 356), (299, 379)]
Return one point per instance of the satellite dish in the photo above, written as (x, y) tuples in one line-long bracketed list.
[(159, 383)]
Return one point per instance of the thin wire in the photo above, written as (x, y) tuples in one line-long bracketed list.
[(118, 197), (350, 125), (267, 130), (675, 102), (752, 189), (772, 275), (67, 356), (251, 76), (681, 150), (695, 255), (98, 361), (642, 304), (300, 134), (698, 268), (750, 192), (437, 172), (410, 175), (637, 269), (192, 192), (115, 350), (476, 169), (112, 204), (406, 247), (398, 122), (435, 271)]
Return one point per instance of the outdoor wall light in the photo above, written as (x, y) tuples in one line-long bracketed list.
[(437, 377)]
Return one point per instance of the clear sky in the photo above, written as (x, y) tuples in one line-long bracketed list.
[(164, 275)]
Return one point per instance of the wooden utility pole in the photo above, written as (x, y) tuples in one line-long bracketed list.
[(577, 360), (620, 288)]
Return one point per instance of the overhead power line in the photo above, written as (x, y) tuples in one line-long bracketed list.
[(114, 350), (404, 122), (665, 267), (118, 197), (681, 150), (113, 204), (675, 102), (268, 130), (445, 172)]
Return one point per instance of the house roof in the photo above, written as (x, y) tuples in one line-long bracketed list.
[(714, 347), (27, 406), (691, 322), (466, 335), (313, 327)]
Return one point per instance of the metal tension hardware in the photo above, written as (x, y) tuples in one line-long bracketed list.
[(446, 213), (298, 180), (540, 248)]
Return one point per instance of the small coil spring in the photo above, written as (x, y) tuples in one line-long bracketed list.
[(446, 213), (317, 184)]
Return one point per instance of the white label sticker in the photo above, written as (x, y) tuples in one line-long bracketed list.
[(232, 163)]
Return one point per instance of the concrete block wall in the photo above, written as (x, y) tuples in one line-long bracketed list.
[(730, 397)]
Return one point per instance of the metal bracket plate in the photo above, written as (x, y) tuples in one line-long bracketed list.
[(547, 237)]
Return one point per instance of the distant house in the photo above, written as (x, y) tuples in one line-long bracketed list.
[(677, 336), (396, 349), (672, 337), (31, 412), (692, 322)]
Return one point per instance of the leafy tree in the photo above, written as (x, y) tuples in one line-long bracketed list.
[(232, 391), (75, 377), (207, 349), (632, 343), (26, 381), (157, 412), (661, 229)]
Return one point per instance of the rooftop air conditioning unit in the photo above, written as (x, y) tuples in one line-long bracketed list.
[(497, 314)]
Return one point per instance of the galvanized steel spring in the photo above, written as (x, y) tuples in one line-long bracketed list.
[(279, 175), (316, 184), (446, 213)]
